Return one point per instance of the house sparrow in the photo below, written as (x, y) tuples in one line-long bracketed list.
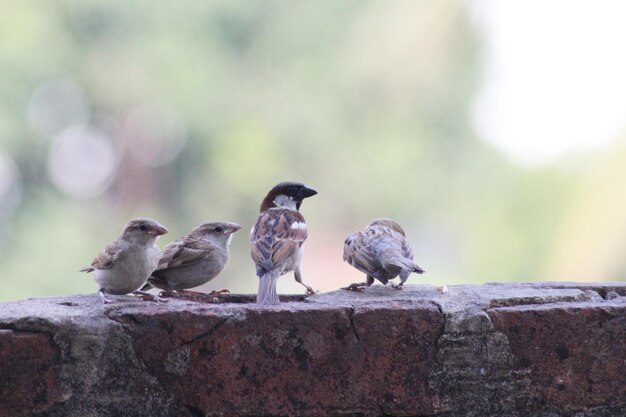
[(382, 252), (126, 263), (277, 237), (194, 259)]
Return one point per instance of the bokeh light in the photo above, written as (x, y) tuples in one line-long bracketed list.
[(154, 135), (10, 185), (56, 105), (82, 162), (553, 89)]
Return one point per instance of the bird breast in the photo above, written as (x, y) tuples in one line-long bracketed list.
[(130, 271)]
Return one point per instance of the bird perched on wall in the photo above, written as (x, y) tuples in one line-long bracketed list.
[(381, 252), (194, 259), (277, 238), (125, 264)]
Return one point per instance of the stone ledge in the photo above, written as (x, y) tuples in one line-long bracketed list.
[(516, 349)]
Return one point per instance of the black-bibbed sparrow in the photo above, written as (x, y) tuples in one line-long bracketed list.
[(381, 252), (277, 238), (194, 259), (125, 264)]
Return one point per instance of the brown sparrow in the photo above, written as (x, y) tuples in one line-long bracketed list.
[(126, 263), (277, 237), (194, 259), (381, 252)]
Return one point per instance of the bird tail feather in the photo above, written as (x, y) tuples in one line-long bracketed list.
[(407, 266), (267, 288)]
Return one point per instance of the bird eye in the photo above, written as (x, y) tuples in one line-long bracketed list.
[(143, 227), (219, 229)]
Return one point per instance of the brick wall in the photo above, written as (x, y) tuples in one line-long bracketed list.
[(514, 349)]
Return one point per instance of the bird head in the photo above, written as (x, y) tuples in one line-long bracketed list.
[(288, 195), (143, 231), (219, 232)]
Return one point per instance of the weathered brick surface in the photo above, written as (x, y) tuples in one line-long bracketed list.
[(538, 350), (317, 359), (29, 371), (575, 355)]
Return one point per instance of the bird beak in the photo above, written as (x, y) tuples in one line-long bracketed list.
[(158, 231), (234, 227), (307, 192)]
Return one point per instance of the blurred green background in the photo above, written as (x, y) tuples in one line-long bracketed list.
[(190, 111)]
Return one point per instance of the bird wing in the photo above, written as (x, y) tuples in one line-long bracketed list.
[(107, 257), (359, 252), (395, 252), (277, 234), (405, 248), (388, 243), (185, 251)]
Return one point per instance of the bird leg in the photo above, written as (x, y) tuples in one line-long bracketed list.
[(219, 292), (183, 293), (168, 293), (178, 293), (298, 276), (356, 286), (103, 297), (360, 286), (212, 297), (146, 296)]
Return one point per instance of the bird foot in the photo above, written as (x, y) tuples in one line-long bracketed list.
[(399, 286), (196, 296), (146, 296), (442, 289), (104, 298), (174, 294), (218, 292), (357, 286)]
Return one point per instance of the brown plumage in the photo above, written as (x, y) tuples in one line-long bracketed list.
[(277, 238), (381, 252), (124, 265), (194, 259)]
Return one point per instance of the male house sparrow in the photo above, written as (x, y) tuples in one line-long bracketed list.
[(125, 264), (194, 259), (380, 251), (277, 237)]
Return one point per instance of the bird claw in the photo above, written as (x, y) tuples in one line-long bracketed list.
[(104, 298), (186, 295), (149, 297), (219, 292), (158, 299), (163, 294), (358, 287)]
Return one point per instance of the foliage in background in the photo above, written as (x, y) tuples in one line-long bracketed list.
[(191, 111)]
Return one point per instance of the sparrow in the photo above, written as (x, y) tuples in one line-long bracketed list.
[(125, 264), (277, 238), (381, 252), (194, 259)]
